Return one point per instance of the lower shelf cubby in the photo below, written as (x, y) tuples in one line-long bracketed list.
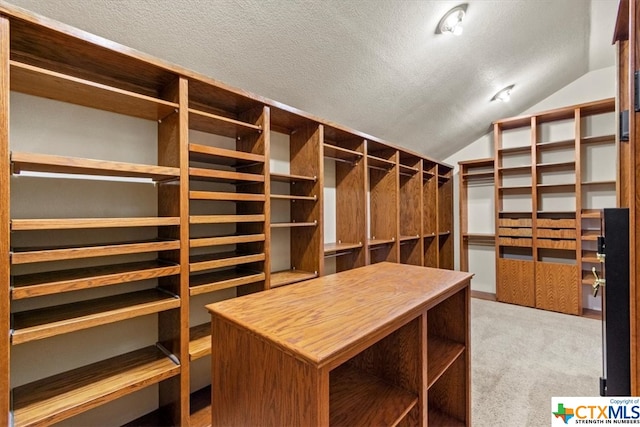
[(443, 410), (64, 395), (357, 398)]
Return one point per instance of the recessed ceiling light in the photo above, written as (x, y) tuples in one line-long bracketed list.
[(503, 95), (451, 22)]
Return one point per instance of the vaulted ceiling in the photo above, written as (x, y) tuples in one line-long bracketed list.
[(373, 65)]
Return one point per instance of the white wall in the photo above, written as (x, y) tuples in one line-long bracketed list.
[(593, 86)]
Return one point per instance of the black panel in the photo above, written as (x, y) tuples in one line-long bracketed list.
[(616, 322)]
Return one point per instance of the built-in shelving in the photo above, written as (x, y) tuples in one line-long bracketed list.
[(47, 163), (54, 282), (287, 277), (61, 319), (187, 214), (556, 170), (61, 396), (224, 279), (199, 341)]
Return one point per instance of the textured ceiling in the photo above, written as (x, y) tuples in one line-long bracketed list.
[(373, 65)]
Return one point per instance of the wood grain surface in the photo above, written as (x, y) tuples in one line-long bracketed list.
[(320, 319), (557, 287), (516, 282)]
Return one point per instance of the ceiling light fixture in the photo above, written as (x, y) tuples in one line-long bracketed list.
[(451, 22), (503, 95)]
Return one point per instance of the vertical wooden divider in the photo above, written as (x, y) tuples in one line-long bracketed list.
[(173, 200), (257, 144), (578, 188), (307, 159), (4, 218)]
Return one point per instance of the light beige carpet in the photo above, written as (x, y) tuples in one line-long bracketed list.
[(521, 357)]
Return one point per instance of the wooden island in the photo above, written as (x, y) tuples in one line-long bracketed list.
[(385, 344)]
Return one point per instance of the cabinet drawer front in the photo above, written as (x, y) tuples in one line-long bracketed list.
[(556, 223), (563, 233), (508, 231), (514, 222), (515, 241), (556, 244)]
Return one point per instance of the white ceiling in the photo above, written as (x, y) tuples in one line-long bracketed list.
[(373, 65)]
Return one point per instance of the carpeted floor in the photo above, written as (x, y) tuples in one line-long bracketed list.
[(521, 357)]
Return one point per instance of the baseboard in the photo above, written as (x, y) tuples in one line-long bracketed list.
[(592, 314), (483, 295)]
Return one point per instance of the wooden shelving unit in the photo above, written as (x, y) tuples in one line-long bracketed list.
[(445, 220), (553, 164), (472, 173), (373, 377), (344, 153), (384, 227), (303, 194), (185, 217), (410, 196)]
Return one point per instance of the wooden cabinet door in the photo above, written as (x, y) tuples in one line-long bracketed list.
[(557, 288), (515, 282)]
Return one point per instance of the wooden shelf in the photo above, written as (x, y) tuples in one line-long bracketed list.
[(591, 214), (76, 223), (211, 282), (444, 233), (516, 188), (378, 242), (224, 219), (293, 224), (590, 260), (440, 419), (284, 177), (222, 156), (478, 175), (219, 125), (54, 282), (199, 341), (224, 196), (566, 186), (339, 153), (515, 150), (590, 235), (360, 399), (606, 182), (31, 255), (557, 144), (215, 175), (340, 246), (49, 84), (61, 396), (221, 259), (293, 197), (287, 277), (605, 139), (479, 236), (429, 235), (441, 354), (409, 238), (46, 322), (408, 170), (556, 165), (515, 169), (380, 163), (48, 163), (225, 240)]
